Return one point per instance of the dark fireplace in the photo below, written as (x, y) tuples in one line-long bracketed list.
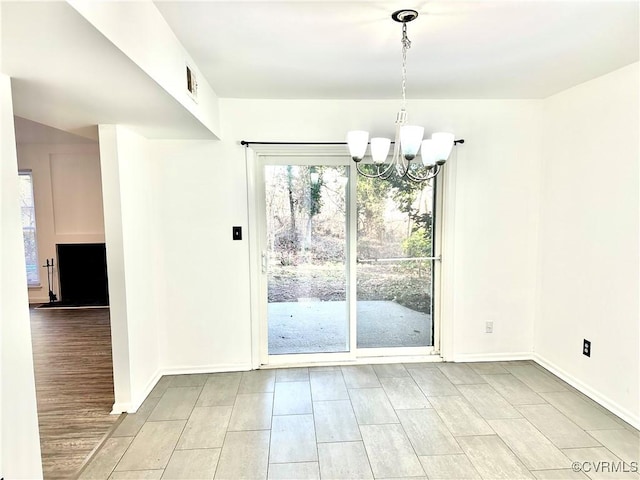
[(82, 270)]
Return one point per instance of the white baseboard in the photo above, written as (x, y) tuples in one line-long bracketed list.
[(219, 368), (629, 417), (132, 407), (606, 402), (135, 405), (119, 408), (33, 301), (492, 357)]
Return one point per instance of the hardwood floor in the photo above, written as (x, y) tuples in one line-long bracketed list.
[(74, 385)]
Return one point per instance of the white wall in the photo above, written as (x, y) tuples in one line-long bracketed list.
[(156, 50), (207, 320), (112, 204), (588, 268), (68, 200), (133, 216), (19, 437)]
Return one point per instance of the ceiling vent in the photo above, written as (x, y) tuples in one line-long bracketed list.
[(192, 84)]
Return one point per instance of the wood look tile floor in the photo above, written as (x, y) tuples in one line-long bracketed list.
[(74, 385), (510, 420)]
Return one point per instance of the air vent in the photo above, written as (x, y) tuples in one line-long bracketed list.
[(192, 84)]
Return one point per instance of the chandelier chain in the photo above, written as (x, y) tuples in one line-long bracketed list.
[(406, 45), (408, 138)]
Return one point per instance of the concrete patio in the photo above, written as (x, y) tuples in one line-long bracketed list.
[(313, 326)]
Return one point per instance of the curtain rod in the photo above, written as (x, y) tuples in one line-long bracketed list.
[(246, 143)]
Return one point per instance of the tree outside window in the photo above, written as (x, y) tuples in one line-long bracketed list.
[(28, 211)]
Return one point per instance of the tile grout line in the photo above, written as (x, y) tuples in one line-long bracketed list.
[(567, 418), (113, 470), (273, 406), (173, 451), (358, 424), (224, 440), (98, 448), (524, 418), (315, 430), (472, 405)]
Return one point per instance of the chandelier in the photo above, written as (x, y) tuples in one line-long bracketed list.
[(409, 138)]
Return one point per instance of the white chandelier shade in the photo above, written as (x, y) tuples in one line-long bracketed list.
[(357, 141), (380, 149), (433, 150), (428, 153), (408, 142), (443, 143)]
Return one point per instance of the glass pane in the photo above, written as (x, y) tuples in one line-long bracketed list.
[(26, 190), (29, 228), (306, 256), (394, 289), (31, 256)]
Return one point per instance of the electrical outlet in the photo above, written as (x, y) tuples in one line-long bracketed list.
[(586, 348), (489, 327)]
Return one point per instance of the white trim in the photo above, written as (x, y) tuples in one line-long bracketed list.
[(493, 357), (331, 155), (359, 361), (284, 155), (284, 150), (603, 400), (308, 358), (217, 368), (446, 250), (606, 402), (120, 408), (400, 358), (365, 353), (351, 219), (436, 266), (254, 257), (132, 407), (38, 301), (68, 307)]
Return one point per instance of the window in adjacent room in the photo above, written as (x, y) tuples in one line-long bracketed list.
[(27, 207)]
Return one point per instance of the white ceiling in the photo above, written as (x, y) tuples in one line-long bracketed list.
[(33, 132), (67, 75), (347, 49)]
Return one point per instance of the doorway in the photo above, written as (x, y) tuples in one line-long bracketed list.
[(348, 265), (63, 227)]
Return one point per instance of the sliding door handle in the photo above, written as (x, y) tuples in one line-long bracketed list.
[(264, 262)]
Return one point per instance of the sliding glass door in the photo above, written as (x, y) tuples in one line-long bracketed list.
[(346, 262), (394, 263), (306, 252)]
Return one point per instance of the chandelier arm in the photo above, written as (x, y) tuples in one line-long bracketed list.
[(374, 175), (400, 165), (420, 179), (387, 174), (403, 165)]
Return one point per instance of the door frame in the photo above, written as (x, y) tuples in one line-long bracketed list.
[(255, 158)]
